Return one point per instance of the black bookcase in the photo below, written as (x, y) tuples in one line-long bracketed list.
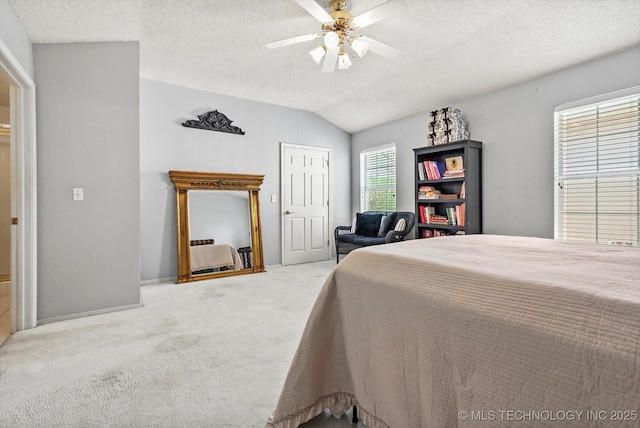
[(446, 206)]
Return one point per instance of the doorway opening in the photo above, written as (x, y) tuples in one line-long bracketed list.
[(22, 171), (5, 212)]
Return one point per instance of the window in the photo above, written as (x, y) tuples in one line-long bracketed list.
[(378, 179), (596, 169)]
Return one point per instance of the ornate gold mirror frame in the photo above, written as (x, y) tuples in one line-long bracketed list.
[(183, 181)]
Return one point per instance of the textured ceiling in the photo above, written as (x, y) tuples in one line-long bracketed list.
[(451, 49)]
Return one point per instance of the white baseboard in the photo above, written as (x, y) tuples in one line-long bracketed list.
[(90, 313), (169, 280), (273, 266)]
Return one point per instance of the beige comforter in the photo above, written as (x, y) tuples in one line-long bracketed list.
[(474, 331), (213, 256)]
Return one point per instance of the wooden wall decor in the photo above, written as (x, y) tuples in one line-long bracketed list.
[(214, 121)]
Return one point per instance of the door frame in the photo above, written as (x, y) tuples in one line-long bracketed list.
[(283, 146), (24, 261)]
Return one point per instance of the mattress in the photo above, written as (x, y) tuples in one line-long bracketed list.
[(470, 330)]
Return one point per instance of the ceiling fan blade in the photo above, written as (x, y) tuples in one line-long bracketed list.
[(330, 60), (315, 10), (392, 7), (291, 41), (381, 48)]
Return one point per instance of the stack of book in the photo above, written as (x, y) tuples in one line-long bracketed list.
[(428, 192), (446, 125), (453, 174), (437, 219)]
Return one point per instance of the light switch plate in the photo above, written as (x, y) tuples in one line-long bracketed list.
[(78, 194), (273, 198)]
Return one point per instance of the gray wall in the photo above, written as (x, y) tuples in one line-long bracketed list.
[(166, 145), (88, 136), (12, 34), (516, 126)]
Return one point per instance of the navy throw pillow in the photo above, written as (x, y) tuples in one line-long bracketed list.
[(368, 224)]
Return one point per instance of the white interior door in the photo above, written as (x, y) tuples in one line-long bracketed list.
[(305, 204)]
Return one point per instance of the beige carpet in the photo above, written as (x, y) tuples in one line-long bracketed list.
[(206, 354)]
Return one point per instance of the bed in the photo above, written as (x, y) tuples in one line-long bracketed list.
[(470, 331), (214, 257)]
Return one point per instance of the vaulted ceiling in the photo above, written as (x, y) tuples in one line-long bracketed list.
[(451, 49)]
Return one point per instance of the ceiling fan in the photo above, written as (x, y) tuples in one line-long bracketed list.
[(339, 33)]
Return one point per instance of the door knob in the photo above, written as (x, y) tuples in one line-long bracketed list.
[(289, 212)]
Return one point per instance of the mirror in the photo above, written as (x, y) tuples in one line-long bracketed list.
[(218, 224)]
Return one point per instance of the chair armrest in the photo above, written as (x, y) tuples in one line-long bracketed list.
[(340, 230), (395, 236)]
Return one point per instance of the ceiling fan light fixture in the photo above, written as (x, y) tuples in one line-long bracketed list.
[(360, 47), (339, 32), (343, 61), (317, 54), (331, 40)]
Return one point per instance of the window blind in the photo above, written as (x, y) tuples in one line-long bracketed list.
[(597, 190), (378, 179)]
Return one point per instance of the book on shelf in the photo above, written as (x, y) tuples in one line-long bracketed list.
[(454, 163), (453, 174), (431, 170), (425, 213), (460, 214), (462, 193), (432, 233), (426, 189), (437, 169), (428, 192), (430, 196), (453, 216), (438, 219), (425, 233)]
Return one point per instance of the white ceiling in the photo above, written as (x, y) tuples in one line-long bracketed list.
[(452, 49)]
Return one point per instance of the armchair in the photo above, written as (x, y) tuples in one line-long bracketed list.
[(373, 228)]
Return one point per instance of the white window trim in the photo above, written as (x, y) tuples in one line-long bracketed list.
[(559, 176), (375, 149), (598, 99)]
